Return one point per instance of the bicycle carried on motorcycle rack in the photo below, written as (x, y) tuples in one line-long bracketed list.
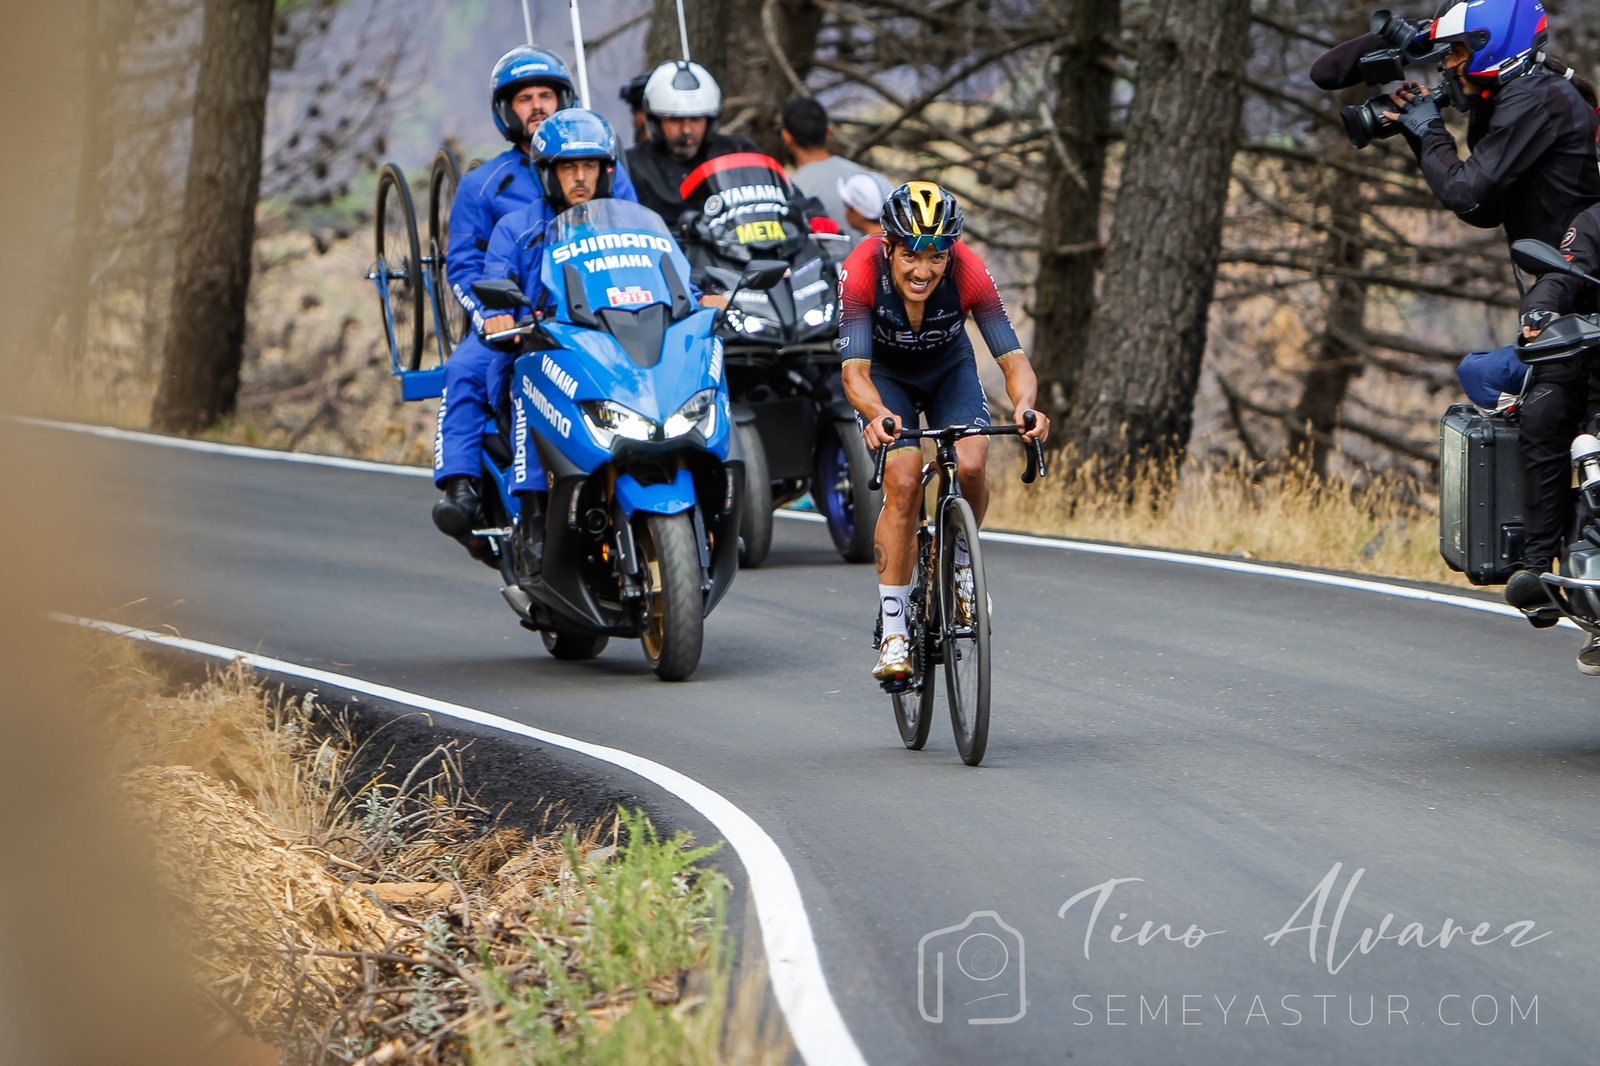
[(411, 283), (935, 636)]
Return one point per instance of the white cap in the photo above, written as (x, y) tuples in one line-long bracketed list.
[(865, 192)]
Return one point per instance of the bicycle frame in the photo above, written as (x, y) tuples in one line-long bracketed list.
[(414, 384)]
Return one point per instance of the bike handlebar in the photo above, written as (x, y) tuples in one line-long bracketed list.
[(1034, 470)]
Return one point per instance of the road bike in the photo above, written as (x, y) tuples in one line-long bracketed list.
[(936, 632), (411, 279)]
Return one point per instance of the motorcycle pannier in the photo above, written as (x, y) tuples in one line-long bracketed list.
[(1481, 502)]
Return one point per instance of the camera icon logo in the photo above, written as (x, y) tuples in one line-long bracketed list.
[(976, 969)]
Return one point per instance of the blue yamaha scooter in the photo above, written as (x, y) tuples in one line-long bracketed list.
[(633, 530)]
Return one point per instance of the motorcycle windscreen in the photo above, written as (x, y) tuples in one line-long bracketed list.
[(743, 199), (610, 253)]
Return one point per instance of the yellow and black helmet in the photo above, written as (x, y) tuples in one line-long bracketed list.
[(920, 215)]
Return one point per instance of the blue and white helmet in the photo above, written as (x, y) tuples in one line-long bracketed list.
[(573, 134), (520, 67), (1507, 37)]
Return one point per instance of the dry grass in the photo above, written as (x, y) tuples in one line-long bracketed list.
[(1288, 515), (390, 919)]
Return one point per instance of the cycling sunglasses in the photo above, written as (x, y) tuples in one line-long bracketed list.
[(923, 242)]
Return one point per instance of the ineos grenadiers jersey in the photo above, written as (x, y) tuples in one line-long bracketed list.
[(875, 328)]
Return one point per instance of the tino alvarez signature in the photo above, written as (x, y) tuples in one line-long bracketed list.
[(1326, 935)]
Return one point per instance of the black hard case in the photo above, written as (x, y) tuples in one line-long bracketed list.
[(1481, 500)]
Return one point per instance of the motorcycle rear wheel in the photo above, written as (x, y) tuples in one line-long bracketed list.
[(674, 628)]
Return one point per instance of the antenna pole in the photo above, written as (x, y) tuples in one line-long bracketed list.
[(683, 32), (577, 49)]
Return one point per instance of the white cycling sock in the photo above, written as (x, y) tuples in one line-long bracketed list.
[(962, 556), (892, 601)]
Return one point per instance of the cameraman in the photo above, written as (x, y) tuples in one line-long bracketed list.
[(1531, 171)]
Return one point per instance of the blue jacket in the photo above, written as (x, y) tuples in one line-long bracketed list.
[(485, 196)]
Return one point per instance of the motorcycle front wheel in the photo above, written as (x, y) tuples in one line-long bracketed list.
[(674, 623), (755, 520), (843, 469)]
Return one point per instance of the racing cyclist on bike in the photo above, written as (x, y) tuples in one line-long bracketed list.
[(905, 297)]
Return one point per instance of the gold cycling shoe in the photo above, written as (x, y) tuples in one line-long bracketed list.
[(894, 659)]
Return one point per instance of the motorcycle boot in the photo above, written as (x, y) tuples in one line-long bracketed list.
[(1526, 593), (457, 514), (894, 659), (1589, 655)]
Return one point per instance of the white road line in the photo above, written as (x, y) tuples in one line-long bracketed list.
[(1237, 566), (793, 965)]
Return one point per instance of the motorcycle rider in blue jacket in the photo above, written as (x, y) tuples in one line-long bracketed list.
[(574, 155), (526, 86)]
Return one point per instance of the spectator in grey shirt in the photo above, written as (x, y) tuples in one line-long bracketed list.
[(805, 130)]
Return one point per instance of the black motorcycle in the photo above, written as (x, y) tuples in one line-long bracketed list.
[(797, 430), (1576, 589)]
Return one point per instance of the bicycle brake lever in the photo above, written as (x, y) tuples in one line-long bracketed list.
[(883, 456)]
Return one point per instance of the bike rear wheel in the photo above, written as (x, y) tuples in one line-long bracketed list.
[(572, 646), (913, 708), (452, 321), (966, 640), (399, 266)]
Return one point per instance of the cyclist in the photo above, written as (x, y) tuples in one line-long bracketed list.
[(905, 297), (526, 86)]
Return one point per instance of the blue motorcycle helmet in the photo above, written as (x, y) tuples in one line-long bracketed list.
[(573, 134), (520, 67), (1507, 38)]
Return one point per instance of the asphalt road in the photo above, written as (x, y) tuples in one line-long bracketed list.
[(1240, 744)]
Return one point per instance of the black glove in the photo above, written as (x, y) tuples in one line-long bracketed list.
[(1419, 114), (1538, 320)]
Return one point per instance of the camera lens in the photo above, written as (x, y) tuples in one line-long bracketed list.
[(1364, 123), (982, 956)]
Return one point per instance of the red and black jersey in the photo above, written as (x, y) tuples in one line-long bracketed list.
[(874, 325)]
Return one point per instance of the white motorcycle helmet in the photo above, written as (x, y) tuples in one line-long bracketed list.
[(679, 89)]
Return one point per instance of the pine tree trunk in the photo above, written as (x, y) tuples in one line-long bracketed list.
[(729, 38), (1135, 398), (1069, 250), (204, 349)]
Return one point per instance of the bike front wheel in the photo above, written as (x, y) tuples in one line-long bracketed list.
[(675, 623), (452, 317), (399, 266), (964, 626)]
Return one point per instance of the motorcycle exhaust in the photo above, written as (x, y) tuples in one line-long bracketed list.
[(519, 601), (1586, 461)]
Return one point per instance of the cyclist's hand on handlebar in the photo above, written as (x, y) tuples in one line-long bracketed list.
[(1041, 425), (875, 435)]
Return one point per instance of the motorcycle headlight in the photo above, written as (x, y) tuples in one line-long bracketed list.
[(699, 413), (607, 421)]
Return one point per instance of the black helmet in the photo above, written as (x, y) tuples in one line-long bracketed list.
[(922, 214)]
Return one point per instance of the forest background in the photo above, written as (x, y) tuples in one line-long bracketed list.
[(1204, 270)]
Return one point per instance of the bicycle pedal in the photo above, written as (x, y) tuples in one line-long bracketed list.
[(896, 685)]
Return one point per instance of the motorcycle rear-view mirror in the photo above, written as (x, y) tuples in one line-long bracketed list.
[(499, 294), (1537, 257), (763, 273)]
